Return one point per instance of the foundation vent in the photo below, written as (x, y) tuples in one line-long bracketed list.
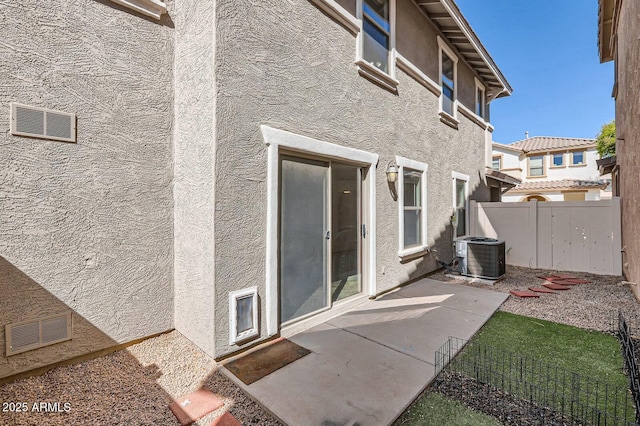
[(42, 123), (28, 335)]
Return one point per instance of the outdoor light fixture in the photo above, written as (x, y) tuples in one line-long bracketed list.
[(392, 172)]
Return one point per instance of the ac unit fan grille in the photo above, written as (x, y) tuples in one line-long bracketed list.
[(486, 260)]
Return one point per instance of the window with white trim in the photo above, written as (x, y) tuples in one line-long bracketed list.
[(376, 37), (448, 78), (481, 100), (376, 41), (460, 203), (412, 205), (496, 163)]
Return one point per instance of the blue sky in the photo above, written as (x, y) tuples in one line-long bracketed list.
[(548, 51)]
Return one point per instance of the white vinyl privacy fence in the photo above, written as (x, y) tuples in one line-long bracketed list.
[(580, 236)]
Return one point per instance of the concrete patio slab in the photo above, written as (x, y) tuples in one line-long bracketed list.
[(417, 330), (369, 364)]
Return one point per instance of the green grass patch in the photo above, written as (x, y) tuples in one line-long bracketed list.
[(575, 372), (571, 370), (589, 353), (435, 409)]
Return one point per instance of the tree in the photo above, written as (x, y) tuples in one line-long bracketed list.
[(606, 140)]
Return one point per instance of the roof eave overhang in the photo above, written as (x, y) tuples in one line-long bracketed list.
[(455, 28), (605, 29), (506, 147), (606, 165), (503, 178)]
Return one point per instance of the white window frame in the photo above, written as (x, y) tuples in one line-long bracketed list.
[(454, 177), (339, 13), (483, 104), (499, 158), (234, 336), (444, 48), (403, 162), (275, 140), (365, 68)]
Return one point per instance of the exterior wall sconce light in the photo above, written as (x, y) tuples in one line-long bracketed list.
[(392, 172)]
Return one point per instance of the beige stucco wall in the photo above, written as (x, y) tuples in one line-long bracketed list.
[(86, 226), (416, 40), (628, 134), (298, 74), (194, 171)]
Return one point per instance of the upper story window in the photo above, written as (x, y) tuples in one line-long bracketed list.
[(557, 159), (448, 84), (577, 158), (448, 77), (376, 41), (412, 200), (377, 33), (496, 163), (481, 100), (536, 166)]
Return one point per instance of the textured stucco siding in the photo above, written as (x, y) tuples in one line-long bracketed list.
[(298, 74), (86, 226), (510, 160), (628, 134), (416, 40), (194, 171)]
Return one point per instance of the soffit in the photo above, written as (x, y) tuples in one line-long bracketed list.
[(605, 27), (455, 28)]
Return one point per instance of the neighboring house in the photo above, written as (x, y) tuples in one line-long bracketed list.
[(618, 29), (551, 169), (230, 172)]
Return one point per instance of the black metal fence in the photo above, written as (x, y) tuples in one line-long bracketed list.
[(535, 390), (630, 361)]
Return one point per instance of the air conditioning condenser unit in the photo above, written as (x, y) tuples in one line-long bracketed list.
[(481, 257)]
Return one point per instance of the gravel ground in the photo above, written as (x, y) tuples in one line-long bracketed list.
[(136, 385), (593, 306), (130, 387), (509, 410)]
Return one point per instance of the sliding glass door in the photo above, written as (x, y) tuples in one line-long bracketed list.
[(320, 235)]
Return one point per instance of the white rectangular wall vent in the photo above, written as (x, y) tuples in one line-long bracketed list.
[(28, 335), (243, 315), (42, 123)]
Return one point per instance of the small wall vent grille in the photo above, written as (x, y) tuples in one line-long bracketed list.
[(28, 335), (42, 123)]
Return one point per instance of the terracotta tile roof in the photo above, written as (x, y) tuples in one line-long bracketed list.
[(548, 143), (559, 184)]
